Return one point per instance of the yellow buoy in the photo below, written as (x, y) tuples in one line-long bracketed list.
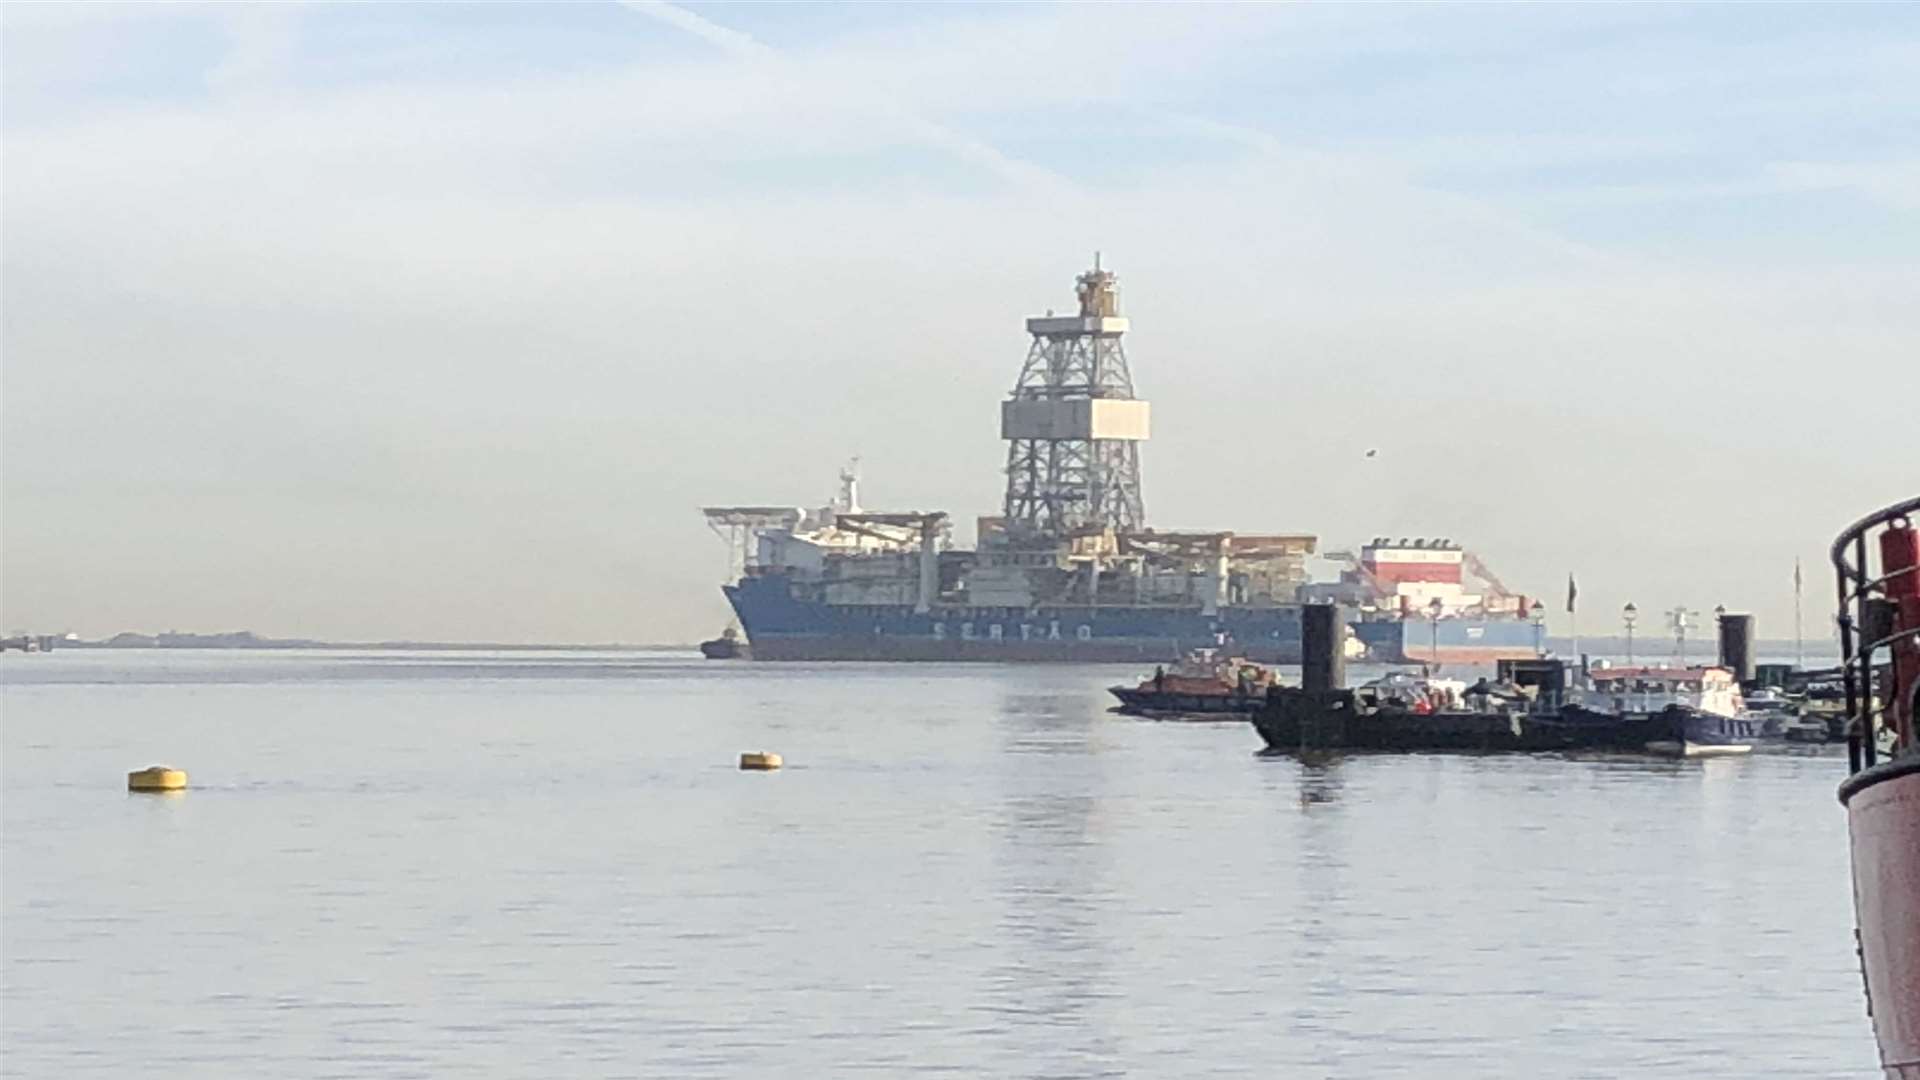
[(762, 761), (157, 778)]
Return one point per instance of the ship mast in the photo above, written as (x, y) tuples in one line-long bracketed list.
[(1072, 423)]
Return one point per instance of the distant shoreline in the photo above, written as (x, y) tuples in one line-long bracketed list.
[(254, 643), (1654, 651)]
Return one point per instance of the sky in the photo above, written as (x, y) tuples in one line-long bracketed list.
[(442, 321)]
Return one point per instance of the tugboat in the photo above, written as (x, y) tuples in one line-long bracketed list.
[(727, 646), (1877, 562), (1203, 684)]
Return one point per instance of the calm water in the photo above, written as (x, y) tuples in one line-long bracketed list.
[(453, 865)]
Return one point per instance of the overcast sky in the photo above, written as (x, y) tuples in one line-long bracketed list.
[(441, 322)]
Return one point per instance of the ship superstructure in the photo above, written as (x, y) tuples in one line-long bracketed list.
[(1068, 570), (1427, 599)]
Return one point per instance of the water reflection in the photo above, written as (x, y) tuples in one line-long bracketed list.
[(1051, 879), (1319, 778)]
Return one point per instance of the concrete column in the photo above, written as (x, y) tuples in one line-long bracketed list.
[(1216, 584), (929, 568)]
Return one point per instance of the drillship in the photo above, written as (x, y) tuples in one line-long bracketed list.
[(1069, 570)]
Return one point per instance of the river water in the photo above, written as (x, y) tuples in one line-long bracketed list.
[(516, 865)]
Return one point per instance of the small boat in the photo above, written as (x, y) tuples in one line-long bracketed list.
[(1813, 731), (1772, 710), (1205, 683), (727, 646), (1689, 711), (1877, 562), (1415, 692), (1793, 718)]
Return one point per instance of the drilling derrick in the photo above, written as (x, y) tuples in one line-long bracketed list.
[(1072, 424)]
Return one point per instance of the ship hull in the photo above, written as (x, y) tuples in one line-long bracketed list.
[(1182, 703), (1294, 719), (1458, 640), (1883, 829), (928, 650), (783, 626)]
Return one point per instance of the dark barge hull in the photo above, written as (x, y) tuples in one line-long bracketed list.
[(1173, 703), (1883, 831), (1295, 720)]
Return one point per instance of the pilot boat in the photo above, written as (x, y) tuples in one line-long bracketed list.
[(1205, 682), (1690, 711)]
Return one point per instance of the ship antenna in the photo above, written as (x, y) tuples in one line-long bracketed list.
[(850, 486)]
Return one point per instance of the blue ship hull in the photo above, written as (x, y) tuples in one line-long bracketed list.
[(1449, 641), (783, 626)]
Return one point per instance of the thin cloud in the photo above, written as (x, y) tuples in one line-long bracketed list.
[(965, 147), (1380, 175)]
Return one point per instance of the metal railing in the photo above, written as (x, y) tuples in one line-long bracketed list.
[(1861, 595)]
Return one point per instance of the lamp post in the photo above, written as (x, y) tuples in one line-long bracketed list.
[(1434, 607), (1539, 613), (1628, 614)]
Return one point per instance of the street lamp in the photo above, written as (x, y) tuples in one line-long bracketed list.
[(1539, 613), (1434, 607), (1630, 614)]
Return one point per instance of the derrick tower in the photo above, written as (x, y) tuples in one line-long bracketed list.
[(1072, 424)]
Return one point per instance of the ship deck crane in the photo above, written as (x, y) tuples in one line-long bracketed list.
[(1359, 570), (1496, 589), (928, 525)]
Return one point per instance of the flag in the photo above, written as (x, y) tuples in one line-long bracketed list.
[(1796, 575), (1572, 592)]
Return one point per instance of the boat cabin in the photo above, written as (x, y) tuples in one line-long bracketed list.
[(1651, 689)]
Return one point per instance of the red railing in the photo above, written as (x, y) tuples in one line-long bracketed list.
[(1879, 616)]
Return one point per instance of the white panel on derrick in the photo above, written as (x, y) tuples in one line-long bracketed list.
[(1115, 419), (1083, 418)]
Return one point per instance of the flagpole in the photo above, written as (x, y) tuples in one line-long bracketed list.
[(1573, 618), (1799, 641)]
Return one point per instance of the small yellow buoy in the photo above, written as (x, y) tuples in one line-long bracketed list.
[(157, 778), (762, 761)]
